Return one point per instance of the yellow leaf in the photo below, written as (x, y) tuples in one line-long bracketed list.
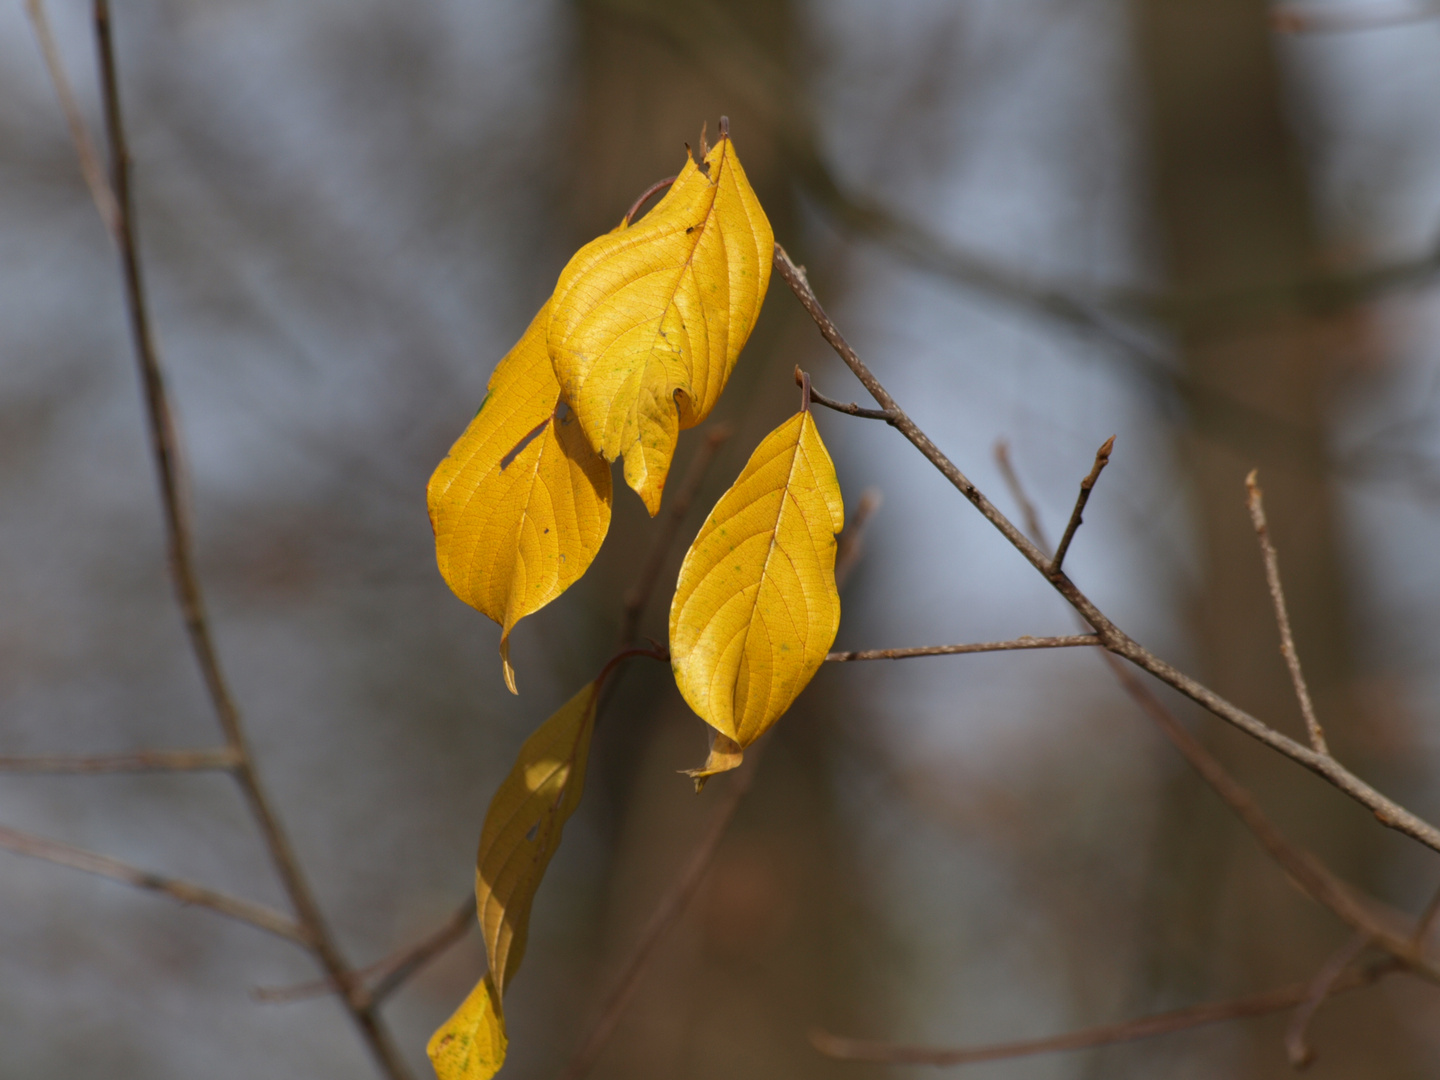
[(522, 828), (521, 504), (471, 1044), (647, 321), (756, 608)]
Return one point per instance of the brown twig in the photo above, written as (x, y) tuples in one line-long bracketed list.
[(1386, 810), (659, 185), (1361, 913), (257, 915), (90, 167), (221, 757), (1102, 458), (1026, 642), (638, 595), (1145, 1027), (1297, 1046), (672, 905), (1255, 500), (165, 451), (389, 972), (850, 409)]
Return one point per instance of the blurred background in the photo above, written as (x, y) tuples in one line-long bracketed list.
[(1208, 227)]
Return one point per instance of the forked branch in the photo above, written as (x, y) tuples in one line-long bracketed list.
[(1386, 810)]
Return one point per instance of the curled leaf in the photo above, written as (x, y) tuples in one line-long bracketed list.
[(521, 504), (646, 322), (522, 828), (471, 1044), (756, 608)]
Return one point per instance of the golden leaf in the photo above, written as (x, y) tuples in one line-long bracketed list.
[(522, 828), (756, 608), (647, 321), (471, 1044), (522, 503)]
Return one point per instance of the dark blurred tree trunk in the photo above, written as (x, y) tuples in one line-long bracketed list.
[(1235, 218), (732, 989)]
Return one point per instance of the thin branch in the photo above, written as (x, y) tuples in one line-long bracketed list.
[(256, 915), (638, 595), (90, 167), (1386, 810), (1297, 1046), (221, 757), (1102, 458), (389, 972), (1361, 913), (165, 451), (1255, 500), (659, 185), (1145, 1027), (1026, 642), (850, 409), (672, 905)]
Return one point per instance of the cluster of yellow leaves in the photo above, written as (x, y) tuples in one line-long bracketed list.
[(635, 344)]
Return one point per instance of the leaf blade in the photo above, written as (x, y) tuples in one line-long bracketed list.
[(756, 608), (471, 1044), (523, 826), (521, 504), (647, 322)]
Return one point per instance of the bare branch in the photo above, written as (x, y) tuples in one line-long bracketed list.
[(672, 905), (1386, 810), (659, 185), (1145, 1027), (850, 409), (1297, 1047), (1102, 458), (1255, 500), (1026, 642), (639, 594), (164, 447), (1362, 913), (257, 915), (389, 972), (89, 157), (220, 757)]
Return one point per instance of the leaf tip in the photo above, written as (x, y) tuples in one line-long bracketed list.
[(725, 754), (505, 664)]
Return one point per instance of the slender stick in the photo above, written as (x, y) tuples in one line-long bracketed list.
[(257, 915), (638, 595), (389, 972), (221, 757), (659, 185), (1362, 913), (1297, 1046), (850, 409), (672, 905), (1255, 500), (1386, 810), (90, 167), (1025, 642), (1145, 1027), (1102, 458), (165, 451)]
